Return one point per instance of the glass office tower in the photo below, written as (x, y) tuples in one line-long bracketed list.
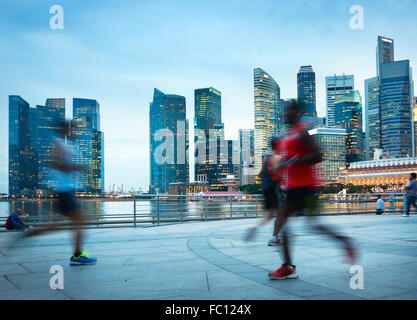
[(168, 131), (336, 87), (396, 109), (22, 156), (267, 94), (247, 156), (306, 91), (87, 107), (82, 129), (51, 119), (348, 115), (221, 164), (89, 141), (97, 168), (33, 132), (282, 127), (207, 108), (208, 132), (372, 117), (384, 52), (415, 125)]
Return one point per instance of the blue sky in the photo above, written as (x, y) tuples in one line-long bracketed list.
[(117, 51)]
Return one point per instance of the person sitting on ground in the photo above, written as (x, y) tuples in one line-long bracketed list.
[(15, 221), (380, 207)]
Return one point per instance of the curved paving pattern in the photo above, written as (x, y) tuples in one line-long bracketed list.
[(209, 260), (201, 246)]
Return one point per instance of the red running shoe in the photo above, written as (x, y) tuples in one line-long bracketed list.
[(285, 272)]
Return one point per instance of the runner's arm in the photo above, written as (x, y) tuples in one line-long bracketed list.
[(58, 162), (315, 156)]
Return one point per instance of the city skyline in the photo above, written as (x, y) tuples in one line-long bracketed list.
[(124, 86), (32, 146)]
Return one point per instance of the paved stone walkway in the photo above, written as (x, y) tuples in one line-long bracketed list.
[(209, 260)]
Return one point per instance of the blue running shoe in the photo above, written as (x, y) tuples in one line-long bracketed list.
[(83, 258)]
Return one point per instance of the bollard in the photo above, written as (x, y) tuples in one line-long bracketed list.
[(97, 213), (134, 213), (157, 210), (231, 208)]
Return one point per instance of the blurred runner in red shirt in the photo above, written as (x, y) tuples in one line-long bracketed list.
[(303, 153)]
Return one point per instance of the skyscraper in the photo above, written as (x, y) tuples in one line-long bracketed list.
[(213, 156), (87, 107), (365, 154), (206, 142), (222, 164), (396, 109), (97, 168), (415, 125), (384, 52), (336, 87), (207, 108), (332, 142), (267, 94), (82, 130), (348, 115), (33, 132), (247, 156), (372, 117), (282, 127), (51, 118), (22, 160), (389, 106), (306, 92), (168, 136), (209, 133), (89, 141)]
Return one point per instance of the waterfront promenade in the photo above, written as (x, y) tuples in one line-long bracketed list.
[(209, 260)]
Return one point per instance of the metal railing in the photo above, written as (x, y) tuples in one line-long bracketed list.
[(182, 208), (154, 210)]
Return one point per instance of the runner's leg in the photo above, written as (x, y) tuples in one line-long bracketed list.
[(279, 221), (326, 230), (267, 218), (78, 234), (288, 210)]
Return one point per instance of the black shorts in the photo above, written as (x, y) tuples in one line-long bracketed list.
[(302, 198), (66, 203), (273, 198)]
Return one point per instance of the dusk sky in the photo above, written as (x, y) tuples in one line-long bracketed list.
[(117, 52)]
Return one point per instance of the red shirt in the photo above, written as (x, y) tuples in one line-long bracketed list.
[(299, 174)]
